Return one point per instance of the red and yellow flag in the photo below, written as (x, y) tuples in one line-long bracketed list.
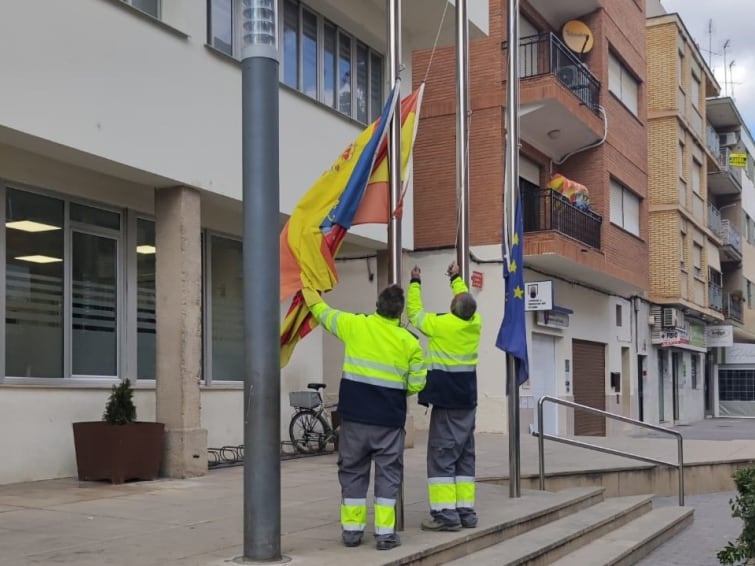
[(341, 197)]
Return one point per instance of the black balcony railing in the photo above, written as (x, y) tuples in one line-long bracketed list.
[(545, 209), (734, 308), (715, 297), (545, 54)]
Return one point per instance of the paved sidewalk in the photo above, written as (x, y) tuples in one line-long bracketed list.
[(198, 522)]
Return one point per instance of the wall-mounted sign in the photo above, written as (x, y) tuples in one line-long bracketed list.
[(696, 334), (738, 159), (719, 336), (538, 296), (675, 338), (476, 279), (553, 319)]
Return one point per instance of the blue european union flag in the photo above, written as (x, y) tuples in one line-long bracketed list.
[(512, 336)]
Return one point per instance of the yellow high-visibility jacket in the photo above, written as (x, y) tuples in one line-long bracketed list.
[(452, 351), (383, 364)]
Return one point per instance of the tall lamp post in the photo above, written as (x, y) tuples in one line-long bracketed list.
[(261, 268)]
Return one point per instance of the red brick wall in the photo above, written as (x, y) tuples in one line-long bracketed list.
[(623, 156)]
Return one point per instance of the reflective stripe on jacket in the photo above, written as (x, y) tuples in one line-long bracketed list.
[(383, 364), (452, 351)]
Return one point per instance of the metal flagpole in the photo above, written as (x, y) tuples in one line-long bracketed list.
[(462, 113), (260, 191), (393, 9), (511, 190)]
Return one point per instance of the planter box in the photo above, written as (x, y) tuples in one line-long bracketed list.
[(118, 452)]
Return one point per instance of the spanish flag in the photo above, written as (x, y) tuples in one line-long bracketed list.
[(355, 190)]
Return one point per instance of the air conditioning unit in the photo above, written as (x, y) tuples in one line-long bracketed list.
[(655, 316), (673, 318), (728, 139), (569, 75)]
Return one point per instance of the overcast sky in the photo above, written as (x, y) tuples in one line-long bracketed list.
[(732, 20)]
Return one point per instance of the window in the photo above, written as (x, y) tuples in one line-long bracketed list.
[(363, 86), (146, 321), (683, 251), (680, 69), (344, 73), (291, 43), (63, 291), (619, 316), (622, 83), (680, 157), (749, 294), (697, 172), (220, 25), (697, 259), (318, 58), (309, 54), (34, 251), (226, 306), (151, 7), (330, 65), (625, 208), (695, 90)]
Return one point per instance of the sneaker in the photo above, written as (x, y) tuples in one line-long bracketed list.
[(436, 525), (351, 538), (388, 543), (469, 522)]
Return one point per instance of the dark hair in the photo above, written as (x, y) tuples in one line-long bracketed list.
[(464, 306), (390, 303)]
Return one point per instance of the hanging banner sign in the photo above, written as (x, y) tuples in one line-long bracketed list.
[(738, 159)]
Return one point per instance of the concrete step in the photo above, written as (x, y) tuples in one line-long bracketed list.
[(500, 519), (551, 541), (635, 540)]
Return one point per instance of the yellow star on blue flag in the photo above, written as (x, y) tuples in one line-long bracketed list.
[(512, 336)]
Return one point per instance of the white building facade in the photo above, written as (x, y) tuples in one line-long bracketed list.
[(120, 135)]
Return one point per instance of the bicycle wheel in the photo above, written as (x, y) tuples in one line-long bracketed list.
[(308, 431)]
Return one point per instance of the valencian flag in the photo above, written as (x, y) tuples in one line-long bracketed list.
[(355, 190), (512, 336)]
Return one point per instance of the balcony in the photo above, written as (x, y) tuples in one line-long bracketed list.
[(731, 242), (714, 219), (547, 210), (715, 297), (545, 54), (733, 308), (727, 180), (712, 143), (559, 97)]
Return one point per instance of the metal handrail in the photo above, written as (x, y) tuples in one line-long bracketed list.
[(542, 436)]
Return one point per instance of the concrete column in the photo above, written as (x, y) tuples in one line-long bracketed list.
[(179, 330)]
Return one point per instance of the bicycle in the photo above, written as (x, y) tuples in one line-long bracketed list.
[(309, 430)]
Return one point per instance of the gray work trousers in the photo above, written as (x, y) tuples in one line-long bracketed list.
[(451, 465), (358, 446)]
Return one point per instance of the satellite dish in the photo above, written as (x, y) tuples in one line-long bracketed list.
[(577, 36)]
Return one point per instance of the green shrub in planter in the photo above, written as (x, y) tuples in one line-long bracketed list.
[(120, 408), (743, 507), (119, 448)]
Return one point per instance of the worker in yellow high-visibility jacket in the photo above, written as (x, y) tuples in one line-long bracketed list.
[(383, 364), (451, 359)]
